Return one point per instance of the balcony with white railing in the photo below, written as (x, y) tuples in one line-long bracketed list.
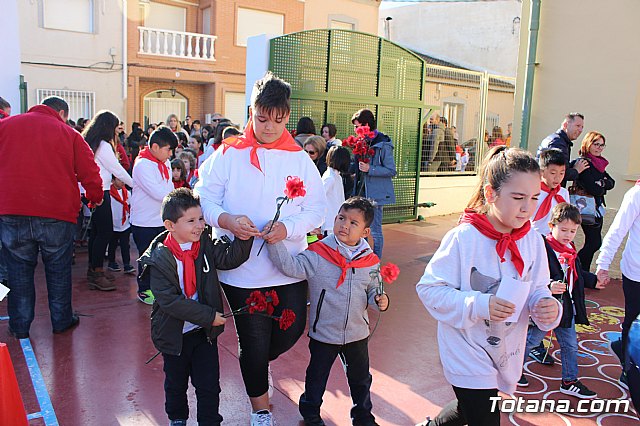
[(176, 44)]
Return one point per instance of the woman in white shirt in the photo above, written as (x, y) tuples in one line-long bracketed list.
[(100, 134)]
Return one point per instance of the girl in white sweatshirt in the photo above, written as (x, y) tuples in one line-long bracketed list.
[(488, 275)]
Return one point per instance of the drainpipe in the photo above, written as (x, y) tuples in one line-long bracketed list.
[(534, 26), (124, 54)]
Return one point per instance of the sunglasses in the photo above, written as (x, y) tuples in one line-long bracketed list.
[(309, 152)]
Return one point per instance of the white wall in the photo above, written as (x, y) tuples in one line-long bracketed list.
[(478, 35), (10, 55), (75, 49)]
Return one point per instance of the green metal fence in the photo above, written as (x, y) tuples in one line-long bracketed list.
[(334, 73)]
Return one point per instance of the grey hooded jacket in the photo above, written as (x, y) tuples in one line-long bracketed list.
[(337, 315)]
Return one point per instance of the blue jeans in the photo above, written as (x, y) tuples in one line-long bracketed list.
[(568, 340), (376, 232), (22, 238)]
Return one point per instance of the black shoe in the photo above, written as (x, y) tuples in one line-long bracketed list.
[(313, 421), (19, 335), (75, 320), (541, 354), (523, 382), (577, 389), (177, 423)]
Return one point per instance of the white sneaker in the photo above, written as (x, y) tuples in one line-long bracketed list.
[(270, 377), (262, 418)]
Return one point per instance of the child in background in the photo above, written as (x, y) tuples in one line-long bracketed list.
[(181, 266), (552, 168), (568, 288), (190, 165), (338, 161), (491, 253), (195, 144), (120, 211), (179, 174), (151, 183), (337, 269)]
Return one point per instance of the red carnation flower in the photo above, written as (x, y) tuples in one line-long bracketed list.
[(257, 302), (371, 135), (389, 272), (272, 300), (362, 131), (294, 188), (287, 318)]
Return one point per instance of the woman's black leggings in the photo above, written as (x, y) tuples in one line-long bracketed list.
[(592, 243), (101, 231), (260, 338)]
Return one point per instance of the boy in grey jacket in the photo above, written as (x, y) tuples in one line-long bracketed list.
[(341, 288)]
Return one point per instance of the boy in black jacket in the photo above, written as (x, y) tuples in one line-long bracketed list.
[(186, 318), (567, 285)]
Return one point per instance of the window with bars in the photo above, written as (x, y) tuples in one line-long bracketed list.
[(81, 103)]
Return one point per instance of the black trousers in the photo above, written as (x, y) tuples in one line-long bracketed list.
[(355, 357), (473, 408), (631, 291), (198, 360), (143, 236), (592, 243), (120, 238), (260, 339), (101, 231)]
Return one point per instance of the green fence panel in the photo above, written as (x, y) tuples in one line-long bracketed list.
[(334, 73)]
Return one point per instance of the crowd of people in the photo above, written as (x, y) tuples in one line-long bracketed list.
[(182, 192)]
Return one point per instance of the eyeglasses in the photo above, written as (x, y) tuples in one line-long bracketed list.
[(309, 152), (599, 145)]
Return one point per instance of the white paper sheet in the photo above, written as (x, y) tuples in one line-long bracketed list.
[(516, 292), (3, 292)]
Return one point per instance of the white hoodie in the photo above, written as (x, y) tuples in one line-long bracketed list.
[(456, 287)]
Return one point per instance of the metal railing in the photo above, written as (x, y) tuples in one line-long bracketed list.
[(176, 44)]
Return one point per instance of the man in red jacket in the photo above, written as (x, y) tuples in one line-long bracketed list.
[(39, 205)]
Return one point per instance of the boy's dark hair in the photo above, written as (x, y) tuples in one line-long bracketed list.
[(4, 104), (331, 128), (177, 202), (364, 205), (305, 126), (178, 164), (182, 139), (135, 125), (162, 137), (564, 211), (272, 95), (196, 122), (339, 158), (58, 104), (366, 118), (551, 156)]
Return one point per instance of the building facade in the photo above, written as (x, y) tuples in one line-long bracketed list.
[(73, 49)]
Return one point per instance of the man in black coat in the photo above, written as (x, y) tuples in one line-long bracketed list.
[(562, 139)]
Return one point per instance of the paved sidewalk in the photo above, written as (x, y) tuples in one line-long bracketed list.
[(96, 374)]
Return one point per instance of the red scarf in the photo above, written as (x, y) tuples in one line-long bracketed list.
[(115, 195), (600, 163), (545, 206), (164, 170), (188, 259), (248, 140), (180, 184), (570, 253), (333, 256), (504, 241)]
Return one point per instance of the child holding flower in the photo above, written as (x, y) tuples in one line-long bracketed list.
[(239, 187), (567, 285), (487, 277), (338, 269)]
